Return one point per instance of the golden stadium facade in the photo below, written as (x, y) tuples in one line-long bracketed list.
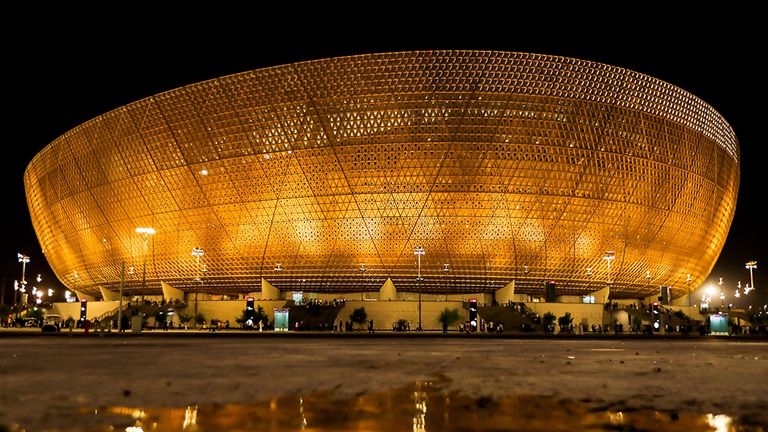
[(502, 166)]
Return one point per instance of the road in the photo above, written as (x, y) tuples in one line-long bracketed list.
[(45, 379)]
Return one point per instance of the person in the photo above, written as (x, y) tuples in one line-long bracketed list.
[(123, 323), (87, 326), (500, 327), (445, 327), (370, 326)]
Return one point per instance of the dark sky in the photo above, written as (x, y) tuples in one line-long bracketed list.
[(67, 78)]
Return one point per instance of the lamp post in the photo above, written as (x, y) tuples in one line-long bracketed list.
[(362, 270), (197, 252), (23, 259), (608, 257), (446, 270), (146, 232), (722, 294), (419, 251), (74, 282), (751, 265)]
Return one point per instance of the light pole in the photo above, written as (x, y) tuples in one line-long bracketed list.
[(362, 270), (197, 252), (722, 294), (446, 270), (608, 257), (74, 281), (751, 265), (146, 232), (23, 259), (419, 251)]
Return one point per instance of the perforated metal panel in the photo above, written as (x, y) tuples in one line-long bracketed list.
[(506, 166)]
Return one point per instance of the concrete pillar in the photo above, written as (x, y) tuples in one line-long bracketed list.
[(388, 291), (506, 294), (170, 293), (81, 295), (108, 295), (602, 295), (268, 291)]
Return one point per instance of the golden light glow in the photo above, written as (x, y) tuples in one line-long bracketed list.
[(507, 166)]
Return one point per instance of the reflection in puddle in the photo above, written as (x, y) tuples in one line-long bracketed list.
[(424, 407)]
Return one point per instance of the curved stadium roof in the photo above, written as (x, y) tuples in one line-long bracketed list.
[(504, 166)]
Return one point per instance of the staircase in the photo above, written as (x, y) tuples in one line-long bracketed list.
[(513, 319), (314, 316)]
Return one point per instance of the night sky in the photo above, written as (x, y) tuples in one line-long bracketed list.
[(54, 85)]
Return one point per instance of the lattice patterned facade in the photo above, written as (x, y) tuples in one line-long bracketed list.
[(505, 166)]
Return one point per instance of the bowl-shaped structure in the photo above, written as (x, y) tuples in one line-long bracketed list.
[(502, 166)]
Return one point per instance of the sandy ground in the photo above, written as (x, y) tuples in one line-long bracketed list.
[(43, 380)]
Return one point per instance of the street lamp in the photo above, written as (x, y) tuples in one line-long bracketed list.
[(23, 259), (419, 251), (722, 294), (362, 271), (197, 252), (74, 282), (751, 265), (688, 280), (146, 232), (608, 257)]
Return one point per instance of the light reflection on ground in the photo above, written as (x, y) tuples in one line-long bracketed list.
[(420, 408)]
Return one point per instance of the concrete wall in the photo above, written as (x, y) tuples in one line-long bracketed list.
[(94, 309), (482, 298), (385, 313)]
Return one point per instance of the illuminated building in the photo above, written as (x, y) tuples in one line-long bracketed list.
[(505, 166)]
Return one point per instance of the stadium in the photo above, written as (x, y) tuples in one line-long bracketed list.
[(431, 171)]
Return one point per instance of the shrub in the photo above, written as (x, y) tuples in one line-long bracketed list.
[(449, 316), (358, 316), (565, 322), (548, 321)]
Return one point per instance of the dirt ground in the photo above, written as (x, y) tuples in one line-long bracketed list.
[(45, 380)]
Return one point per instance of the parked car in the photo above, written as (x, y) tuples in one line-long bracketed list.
[(52, 323)]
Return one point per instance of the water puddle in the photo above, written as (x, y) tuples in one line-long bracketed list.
[(426, 406)]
